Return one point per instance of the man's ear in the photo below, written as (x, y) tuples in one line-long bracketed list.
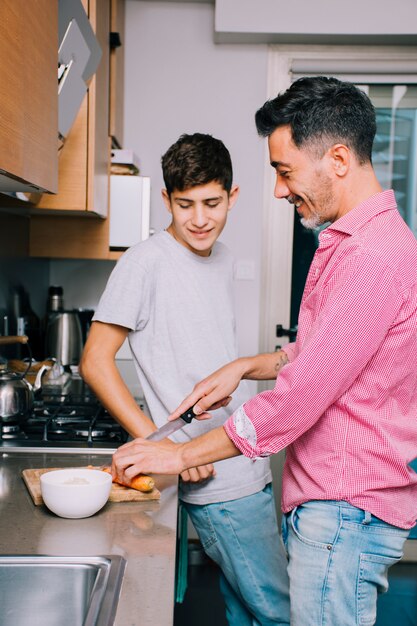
[(340, 156), (166, 199), (233, 195)]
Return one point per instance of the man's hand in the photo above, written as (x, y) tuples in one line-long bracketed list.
[(214, 391), (163, 457), (147, 457)]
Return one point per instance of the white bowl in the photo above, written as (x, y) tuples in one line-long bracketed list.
[(75, 493)]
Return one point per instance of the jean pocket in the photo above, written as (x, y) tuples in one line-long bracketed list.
[(316, 530), (202, 522), (372, 579)]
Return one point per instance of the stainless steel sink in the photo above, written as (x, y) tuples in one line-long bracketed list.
[(59, 591)]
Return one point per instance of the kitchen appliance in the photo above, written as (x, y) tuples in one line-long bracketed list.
[(171, 427), (16, 393), (63, 338), (86, 316), (67, 417), (129, 210)]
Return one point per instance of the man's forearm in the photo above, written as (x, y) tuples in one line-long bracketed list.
[(264, 366), (208, 448)]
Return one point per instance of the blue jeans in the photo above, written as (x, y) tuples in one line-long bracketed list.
[(339, 557), (242, 537)]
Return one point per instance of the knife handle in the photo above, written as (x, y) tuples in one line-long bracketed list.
[(188, 415)]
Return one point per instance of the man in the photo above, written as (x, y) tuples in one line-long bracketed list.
[(172, 297), (345, 399)]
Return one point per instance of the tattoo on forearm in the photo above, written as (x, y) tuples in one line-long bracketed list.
[(282, 360)]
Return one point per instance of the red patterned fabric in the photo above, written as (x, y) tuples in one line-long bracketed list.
[(345, 407)]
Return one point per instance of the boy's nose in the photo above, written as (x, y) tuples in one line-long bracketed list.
[(199, 217)]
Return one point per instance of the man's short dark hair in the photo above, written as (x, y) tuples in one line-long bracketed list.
[(322, 111), (195, 160)]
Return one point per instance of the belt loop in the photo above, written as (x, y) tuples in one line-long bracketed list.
[(368, 517)]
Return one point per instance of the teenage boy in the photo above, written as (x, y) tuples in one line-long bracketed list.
[(172, 297)]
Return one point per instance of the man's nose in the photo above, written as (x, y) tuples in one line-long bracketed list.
[(281, 188)]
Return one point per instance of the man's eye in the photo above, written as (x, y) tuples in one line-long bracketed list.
[(212, 205), (284, 174), (184, 206)]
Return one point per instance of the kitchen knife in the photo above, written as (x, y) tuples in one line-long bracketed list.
[(171, 427)]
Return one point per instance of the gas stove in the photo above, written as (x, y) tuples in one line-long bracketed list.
[(66, 418)]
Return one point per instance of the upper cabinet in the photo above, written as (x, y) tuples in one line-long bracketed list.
[(83, 182), (70, 224), (28, 76)]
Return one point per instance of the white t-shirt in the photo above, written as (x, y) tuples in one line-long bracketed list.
[(179, 308)]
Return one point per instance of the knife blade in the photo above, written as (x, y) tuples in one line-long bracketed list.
[(171, 427)]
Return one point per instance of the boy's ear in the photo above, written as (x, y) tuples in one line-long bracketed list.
[(233, 195), (166, 199)]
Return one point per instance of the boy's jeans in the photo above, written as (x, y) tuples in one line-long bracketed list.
[(241, 536), (339, 557)]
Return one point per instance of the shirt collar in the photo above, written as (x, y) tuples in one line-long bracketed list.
[(364, 212)]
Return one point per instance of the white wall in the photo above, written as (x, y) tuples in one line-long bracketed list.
[(178, 80)]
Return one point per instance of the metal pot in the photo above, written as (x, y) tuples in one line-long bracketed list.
[(16, 394), (16, 398)]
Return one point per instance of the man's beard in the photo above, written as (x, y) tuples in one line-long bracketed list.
[(312, 222)]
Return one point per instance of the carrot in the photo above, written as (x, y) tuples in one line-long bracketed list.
[(141, 482)]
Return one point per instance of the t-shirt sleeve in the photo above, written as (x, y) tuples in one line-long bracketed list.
[(125, 300)]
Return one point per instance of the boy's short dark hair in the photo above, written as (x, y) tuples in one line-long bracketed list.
[(195, 160), (322, 111)]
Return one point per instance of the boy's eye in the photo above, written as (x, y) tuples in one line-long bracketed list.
[(183, 205), (213, 204)]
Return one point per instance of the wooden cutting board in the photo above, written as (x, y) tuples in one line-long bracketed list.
[(118, 493)]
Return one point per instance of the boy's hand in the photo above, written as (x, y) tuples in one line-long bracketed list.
[(198, 474)]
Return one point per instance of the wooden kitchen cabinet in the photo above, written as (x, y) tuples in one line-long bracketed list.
[(28, 95), (70, 224), (117, 72)]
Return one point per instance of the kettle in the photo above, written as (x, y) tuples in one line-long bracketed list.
[(63, 339), (16, 393)]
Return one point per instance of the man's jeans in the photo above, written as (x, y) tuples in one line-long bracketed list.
[(339, 557), (242, 537)]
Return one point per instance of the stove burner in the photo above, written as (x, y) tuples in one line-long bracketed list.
[(11, 428), (75, 419), (11, 431), (95, 434)]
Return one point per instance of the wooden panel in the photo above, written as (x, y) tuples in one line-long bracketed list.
[(117, 70), (64, 237), (118, 493), (29, 91), (72, 182)]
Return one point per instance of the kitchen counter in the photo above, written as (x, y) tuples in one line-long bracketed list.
[(144, 533)]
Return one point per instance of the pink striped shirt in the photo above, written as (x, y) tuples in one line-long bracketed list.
[(345, 406)]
